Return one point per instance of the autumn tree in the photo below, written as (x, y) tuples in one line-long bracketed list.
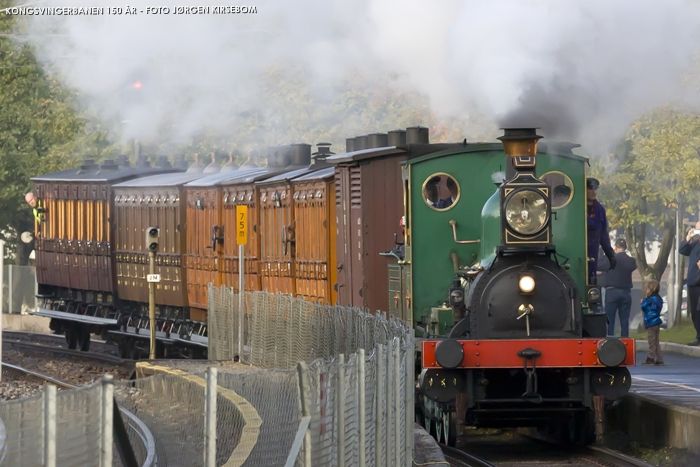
[(658, 171)]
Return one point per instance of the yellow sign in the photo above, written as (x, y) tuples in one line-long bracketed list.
[(241, 224)]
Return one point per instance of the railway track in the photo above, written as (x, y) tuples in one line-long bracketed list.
[(27, 373), (58, 343), (518, 450), (29, 355)]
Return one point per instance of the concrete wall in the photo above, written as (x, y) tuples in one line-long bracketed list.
[(653, 424)]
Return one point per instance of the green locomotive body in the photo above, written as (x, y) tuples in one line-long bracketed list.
[(431, 250)]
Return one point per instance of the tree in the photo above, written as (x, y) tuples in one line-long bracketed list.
[(659, 169), (37, 125)]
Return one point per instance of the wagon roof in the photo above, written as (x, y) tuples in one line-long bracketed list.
[(290, 175), (161, 180), (318, 175), (363, 154), (98, 174), (230, 176)]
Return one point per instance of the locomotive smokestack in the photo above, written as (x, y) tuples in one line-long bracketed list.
[(520, 146)]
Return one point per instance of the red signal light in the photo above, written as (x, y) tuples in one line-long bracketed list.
[(137, 85)]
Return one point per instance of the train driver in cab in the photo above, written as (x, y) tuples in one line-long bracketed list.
[(598, 236)]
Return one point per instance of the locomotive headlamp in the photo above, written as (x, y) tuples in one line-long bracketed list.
[(526, 284), (526, 211)]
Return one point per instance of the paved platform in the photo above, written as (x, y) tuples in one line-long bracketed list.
[(676, 382), (663, 408)]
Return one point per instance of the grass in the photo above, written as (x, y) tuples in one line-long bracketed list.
[(681, 333)]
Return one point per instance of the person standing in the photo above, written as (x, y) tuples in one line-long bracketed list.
[(690, 247), (598, 236), (651, 308), (618, 286)]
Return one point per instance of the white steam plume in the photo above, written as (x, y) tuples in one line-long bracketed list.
[(579, 69)]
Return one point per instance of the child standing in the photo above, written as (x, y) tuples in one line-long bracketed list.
[(651, 307)]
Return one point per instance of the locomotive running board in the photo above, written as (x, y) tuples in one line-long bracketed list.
[(63, 315)]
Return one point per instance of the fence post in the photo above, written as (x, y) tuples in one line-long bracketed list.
[(210, 419), (340, 414), (409, 371), (50, 425), (304, 392), (361, 404), (9, 289), (380, 406), (107, 420), (396, 354)]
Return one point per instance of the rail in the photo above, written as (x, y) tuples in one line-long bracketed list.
[(458, 457)]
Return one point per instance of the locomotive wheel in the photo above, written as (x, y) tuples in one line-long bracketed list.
[(449, 427), (71, 337), (84, 338)]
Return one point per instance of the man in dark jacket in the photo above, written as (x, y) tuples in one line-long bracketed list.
[(690, 247), (618, 284), (598, 236)]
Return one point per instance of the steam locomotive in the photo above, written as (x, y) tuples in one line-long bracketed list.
[(513, 332)]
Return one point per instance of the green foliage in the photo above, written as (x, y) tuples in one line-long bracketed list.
[(658, 170), (37, 125)]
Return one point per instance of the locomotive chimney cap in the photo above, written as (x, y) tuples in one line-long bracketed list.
[(520, 144), (510, 134)]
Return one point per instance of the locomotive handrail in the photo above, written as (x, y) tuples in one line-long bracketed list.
[(453, 223)]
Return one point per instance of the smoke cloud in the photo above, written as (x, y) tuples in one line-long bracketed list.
[(579, 70)]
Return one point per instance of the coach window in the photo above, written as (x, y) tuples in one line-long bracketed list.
[(441, 191), (561, 188)]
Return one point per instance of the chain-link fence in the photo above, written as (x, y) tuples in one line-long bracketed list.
[(354, 378), (329, 402), (68, 428)]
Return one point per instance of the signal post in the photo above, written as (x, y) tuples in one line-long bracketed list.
[(152, 235), (241, 239)]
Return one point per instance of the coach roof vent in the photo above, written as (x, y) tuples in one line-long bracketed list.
[(300, 154), (196, 166), (179, 162), (162, 162), (349, 144), (230, 163), (142, 162), (397, 138), (109, 164), (417, 135), (123, 160), (323, 150), (87, 165), (377, 140), (213, 166), (361, 142)]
